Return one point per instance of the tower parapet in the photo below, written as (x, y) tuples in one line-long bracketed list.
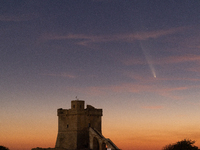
[(77, 105)]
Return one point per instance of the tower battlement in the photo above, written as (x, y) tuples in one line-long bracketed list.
[(77, 107)]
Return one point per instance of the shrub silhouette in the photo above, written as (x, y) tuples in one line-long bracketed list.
[(181, 145), (3, 148)]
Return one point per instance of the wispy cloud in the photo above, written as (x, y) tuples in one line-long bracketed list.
[(132, 88), (168, 92), (143, 79), (153, 34), (83, 39), (152, 107), (65, 75), (179, 59), (194, 69), (164, 60)]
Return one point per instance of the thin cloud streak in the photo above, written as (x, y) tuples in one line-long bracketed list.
[(131, 88), (139, 84), (88, 39), (179, 59), (150, 79), (152, 107), (166, 60), (65, 75)]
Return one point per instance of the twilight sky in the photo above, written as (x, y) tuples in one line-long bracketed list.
[(138, 60)]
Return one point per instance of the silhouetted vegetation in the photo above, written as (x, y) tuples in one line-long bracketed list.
[(39, 148), (3, 148), (181, 145)]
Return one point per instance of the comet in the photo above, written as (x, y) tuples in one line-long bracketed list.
[(148, 58), (154, 74)]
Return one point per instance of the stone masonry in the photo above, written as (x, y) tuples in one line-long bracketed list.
[(74, 123), (80, 128)]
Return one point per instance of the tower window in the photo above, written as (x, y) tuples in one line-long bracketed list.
[(73, 106), (67, 126)]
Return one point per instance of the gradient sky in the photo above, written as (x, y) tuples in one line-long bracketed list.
[(138, 60)]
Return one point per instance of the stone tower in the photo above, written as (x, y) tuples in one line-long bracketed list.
[(79, 128), (74, 125)]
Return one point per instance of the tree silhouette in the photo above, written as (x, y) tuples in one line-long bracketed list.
[(3, 148), (181, 145)]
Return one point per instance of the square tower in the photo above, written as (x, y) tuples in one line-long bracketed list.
[(74, 123)]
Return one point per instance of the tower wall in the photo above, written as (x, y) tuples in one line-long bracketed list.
[(74, 123)]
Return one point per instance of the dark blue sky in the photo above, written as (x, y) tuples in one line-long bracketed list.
[(139, 56)]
